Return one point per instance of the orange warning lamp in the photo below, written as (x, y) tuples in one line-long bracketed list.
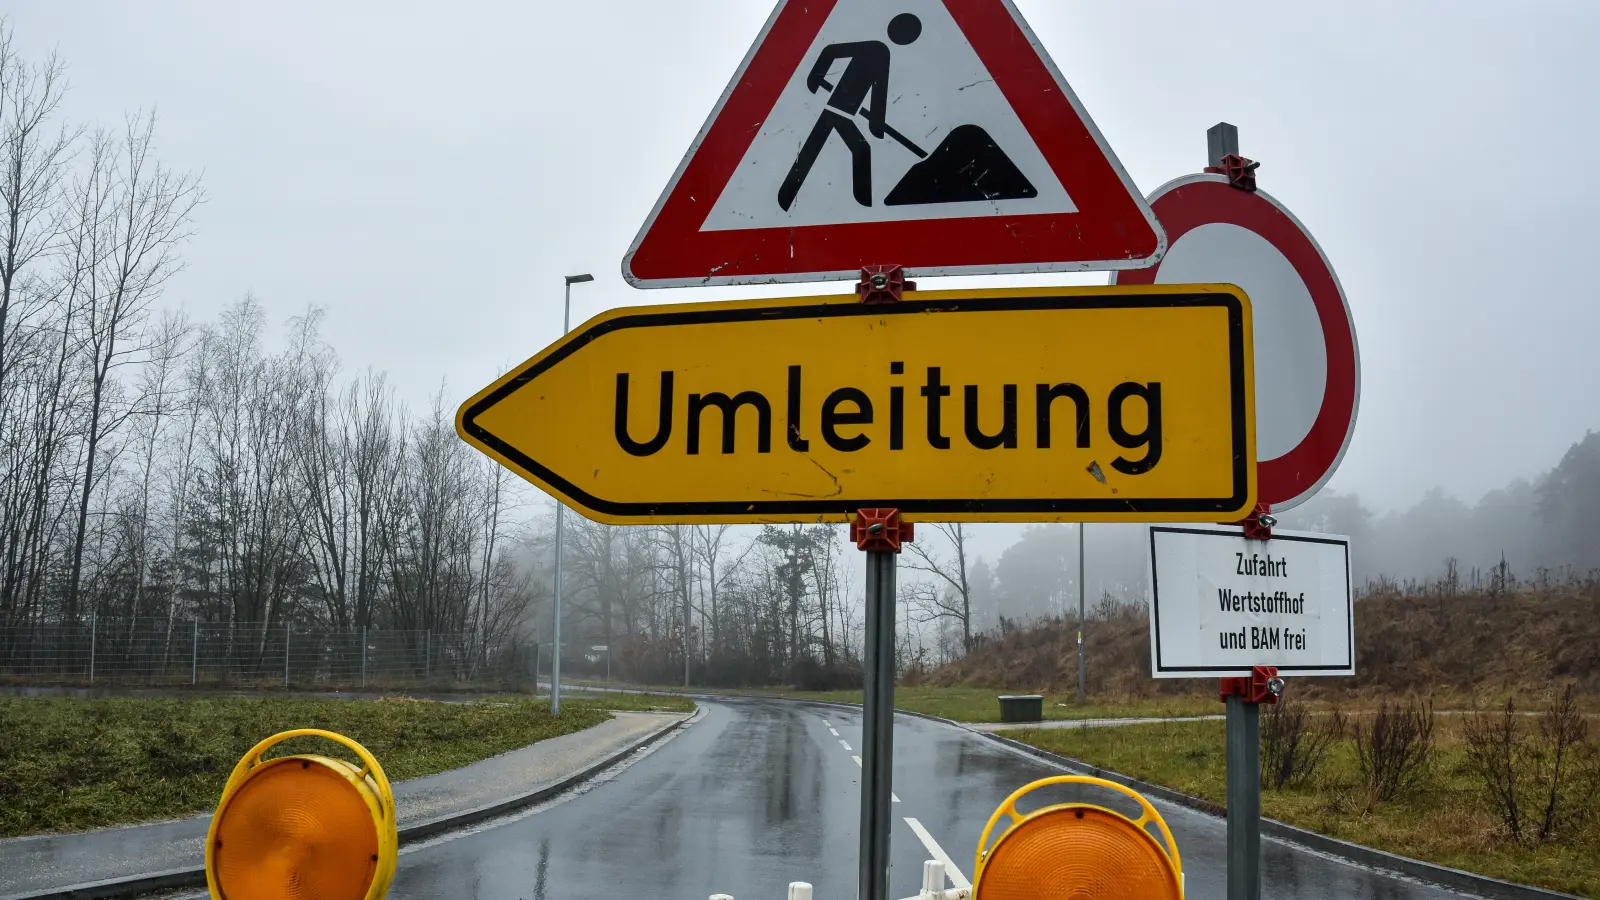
[(1076, 850), (303, 826)]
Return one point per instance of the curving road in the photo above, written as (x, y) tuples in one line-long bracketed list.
[(758, 793)]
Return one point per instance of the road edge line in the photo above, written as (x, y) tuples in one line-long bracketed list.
[(175, 879)]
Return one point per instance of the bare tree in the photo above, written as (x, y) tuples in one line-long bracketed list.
[(711, 547), (34, 152), (678, 541), (378, 440), (956, 603), (135, 211), (32, 158), (157, 401)]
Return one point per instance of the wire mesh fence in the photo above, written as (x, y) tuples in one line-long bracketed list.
[(154, 652)]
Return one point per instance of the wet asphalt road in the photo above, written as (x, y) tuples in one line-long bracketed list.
[(758, 793)]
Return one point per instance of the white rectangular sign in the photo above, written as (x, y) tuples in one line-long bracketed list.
[(1220, 603)]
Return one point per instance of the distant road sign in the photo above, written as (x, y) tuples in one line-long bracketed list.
[(1036, 404), (1308, 368), (599, 648), (1220, 604), (934, 135)]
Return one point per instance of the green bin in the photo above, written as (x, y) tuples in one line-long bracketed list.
[(1021, 707)]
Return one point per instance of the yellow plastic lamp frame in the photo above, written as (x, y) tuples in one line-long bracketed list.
[(1008, 809), (369, 782)]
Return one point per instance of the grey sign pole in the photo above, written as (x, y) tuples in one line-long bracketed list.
[(877, 722), (1222, 139), (555, 655), (1083, 665), (1243, 696), (561, 509), (1244, 798)]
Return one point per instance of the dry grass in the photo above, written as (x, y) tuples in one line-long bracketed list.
[(1443, 821), (1463, 647)]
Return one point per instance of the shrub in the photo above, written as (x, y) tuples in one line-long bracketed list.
[(1497, 755), (808, 674), (1540, 782), (1394, 748), (1293, 743)]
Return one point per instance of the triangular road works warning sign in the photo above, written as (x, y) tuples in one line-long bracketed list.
[(932, 134)]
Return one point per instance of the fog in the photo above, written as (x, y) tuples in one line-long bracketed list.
[(1546, 527), (425, 174)]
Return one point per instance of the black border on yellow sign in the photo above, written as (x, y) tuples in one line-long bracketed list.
[(837, 508)]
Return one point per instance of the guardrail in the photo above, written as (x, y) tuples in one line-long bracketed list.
[(932, 887)]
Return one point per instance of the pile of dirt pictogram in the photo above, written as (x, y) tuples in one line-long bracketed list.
[(967, 165)]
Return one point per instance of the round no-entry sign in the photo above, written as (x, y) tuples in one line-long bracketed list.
[(1308, 369)]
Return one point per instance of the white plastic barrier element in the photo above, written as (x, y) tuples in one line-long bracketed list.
[(933, 884), (932, 887)]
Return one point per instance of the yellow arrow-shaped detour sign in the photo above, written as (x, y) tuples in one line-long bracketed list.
[(1131, 403)]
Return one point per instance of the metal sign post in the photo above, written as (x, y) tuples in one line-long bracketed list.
[(880, 533), (1244, 697), (1083, 664)]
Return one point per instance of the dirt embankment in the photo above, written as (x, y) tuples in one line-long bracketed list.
[(1444, 639)]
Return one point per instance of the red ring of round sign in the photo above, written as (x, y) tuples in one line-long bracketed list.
[(1195, 200)]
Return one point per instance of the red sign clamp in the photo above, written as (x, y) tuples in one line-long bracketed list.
[(1262, 685), (880, 529), (883, 284)]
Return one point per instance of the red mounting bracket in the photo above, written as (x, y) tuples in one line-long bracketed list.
[(883, 284), (1254, 528), (1241, 172), (880, 529), (1258, 687)]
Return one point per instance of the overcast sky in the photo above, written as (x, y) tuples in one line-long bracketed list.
[(428, 172)]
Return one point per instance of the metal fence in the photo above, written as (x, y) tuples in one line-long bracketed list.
[(161, 652)]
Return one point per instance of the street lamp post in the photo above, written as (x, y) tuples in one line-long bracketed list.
[(561, 508)]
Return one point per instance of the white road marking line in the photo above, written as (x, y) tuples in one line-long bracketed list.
[(843, 744), (892, 795), (950, 870), (827, 723), (832, 732)]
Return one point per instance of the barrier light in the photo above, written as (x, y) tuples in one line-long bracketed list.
[(1079, 851), (304, 826)]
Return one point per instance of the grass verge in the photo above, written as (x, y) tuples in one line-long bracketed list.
[(967, 704), (70, 764), (1442, 822)]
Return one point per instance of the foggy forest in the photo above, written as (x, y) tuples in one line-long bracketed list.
[(231, 471)]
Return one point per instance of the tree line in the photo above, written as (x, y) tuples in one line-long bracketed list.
[(154, 467), (228, 471)]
